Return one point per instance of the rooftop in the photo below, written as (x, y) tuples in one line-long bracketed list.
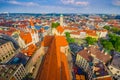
[(95, 52), (54, 62), (26, 36), (19, 59), (99, 70), (71, 28), (47, 41), (115, 62), (105, 78), (85, 55), (60, 29), (31, 22), (2, 41)]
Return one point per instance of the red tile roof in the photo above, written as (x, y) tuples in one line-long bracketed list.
[(91, 32), (85, 55), (98, 54), (55, 65), (75, 33), (26, 36), (30, 50), (94, 52), (41, 30), (71, 28), (31, 22), (47, 41), (105, 78), (60, 29)]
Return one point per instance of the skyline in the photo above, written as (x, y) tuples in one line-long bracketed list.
[(61, 6)]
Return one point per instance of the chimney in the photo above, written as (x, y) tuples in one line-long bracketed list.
[(102, 51), (106, 53), (88, 51)]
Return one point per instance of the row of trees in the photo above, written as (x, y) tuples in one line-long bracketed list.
[(69, 39), (112, 29), (113, 43), (90, 40)]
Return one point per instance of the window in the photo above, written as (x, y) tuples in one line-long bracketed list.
[(115, 74), (3, 58), (6, 56), (117, 71)]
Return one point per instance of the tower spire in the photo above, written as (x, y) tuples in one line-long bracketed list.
[(32, 24), (61, 20)]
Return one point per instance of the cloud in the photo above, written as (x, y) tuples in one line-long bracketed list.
[(82, 3), (116, 2), (23, 3), (67, 1)]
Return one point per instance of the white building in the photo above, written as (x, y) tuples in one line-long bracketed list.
[(102, 33), (26, 34)]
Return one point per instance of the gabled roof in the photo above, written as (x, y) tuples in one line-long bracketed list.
[(54, 65), (71, 28), (31, 22), (61, 41), (60, 29), (99, 54), (85, 55), (47, 41), (26, 36), (94, 52)]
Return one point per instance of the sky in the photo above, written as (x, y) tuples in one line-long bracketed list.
[(60, 6)]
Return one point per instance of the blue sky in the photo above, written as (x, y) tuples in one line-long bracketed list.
[(60, 6)]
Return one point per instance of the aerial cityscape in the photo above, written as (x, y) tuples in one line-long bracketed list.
[(59, 40)]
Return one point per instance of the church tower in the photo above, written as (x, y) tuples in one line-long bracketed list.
[(61, 20), (32, 24)]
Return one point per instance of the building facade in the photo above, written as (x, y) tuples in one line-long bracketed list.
[(12, 72), (114, 67), (7, 50), (83, 60)]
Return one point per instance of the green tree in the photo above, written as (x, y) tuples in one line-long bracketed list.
[(112, 38), (67, 34), (117, 44), (91, 40), (114, 29), (70, 40), (107, 44), (54, 25), (107, 27)]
